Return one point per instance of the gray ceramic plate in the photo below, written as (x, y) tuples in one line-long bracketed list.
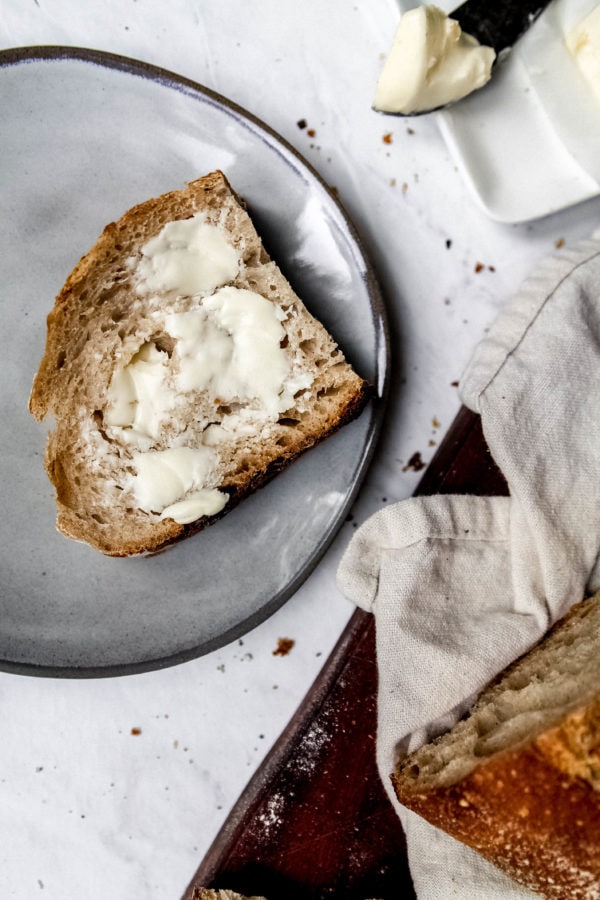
[(85, 136)]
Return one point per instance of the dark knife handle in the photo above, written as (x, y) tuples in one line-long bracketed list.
[(498, 24)]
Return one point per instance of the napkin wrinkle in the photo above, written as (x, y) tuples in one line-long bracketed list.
[(416, 520), (515, 322)]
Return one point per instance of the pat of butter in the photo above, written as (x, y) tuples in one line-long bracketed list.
[(583, 43), (188, 256), (164, 477), (432, 62)]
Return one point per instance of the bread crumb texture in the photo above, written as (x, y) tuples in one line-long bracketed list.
[(118, 344), (519, 778), (201, 893)]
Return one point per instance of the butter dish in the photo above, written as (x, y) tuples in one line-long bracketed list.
[(527, 143)]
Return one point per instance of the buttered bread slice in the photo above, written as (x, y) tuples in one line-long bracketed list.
[(182, 372)]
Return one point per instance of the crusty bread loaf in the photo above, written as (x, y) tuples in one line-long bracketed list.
[(202, 893), (113, 317), (519, 778)]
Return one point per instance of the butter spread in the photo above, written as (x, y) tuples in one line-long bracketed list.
[(583, 43), (228, 348), (231, 346), (188, 256), (210, 347), (205, 502), (432, 62), (138, 395), (164, 477)]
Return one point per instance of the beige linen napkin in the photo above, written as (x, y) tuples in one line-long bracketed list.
[(461, 586)]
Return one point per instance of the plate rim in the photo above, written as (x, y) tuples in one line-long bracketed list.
[(105, 59)]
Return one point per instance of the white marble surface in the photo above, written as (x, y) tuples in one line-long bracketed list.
[(88, 807)]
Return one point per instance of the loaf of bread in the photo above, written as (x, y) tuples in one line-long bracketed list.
[(518, 779), (202, 893), (182, 373)]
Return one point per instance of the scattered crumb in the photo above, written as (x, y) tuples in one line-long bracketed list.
[(311, 132), (448, 243), (479, 267), (404, 187), (447, 301), (435, 422), (135, 730), (393, 182), (415, 463), (559, 243), (432, 443), (387, 138), (454, 383), (284, 645), (301, 123), (410, 131)]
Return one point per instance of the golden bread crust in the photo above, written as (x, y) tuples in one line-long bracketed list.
[(518, 780)]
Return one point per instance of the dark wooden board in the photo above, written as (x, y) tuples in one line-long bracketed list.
[(314, 822)]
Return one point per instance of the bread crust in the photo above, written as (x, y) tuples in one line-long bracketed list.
[(88, 330), (532, 819), (202, 893), (533, 807)]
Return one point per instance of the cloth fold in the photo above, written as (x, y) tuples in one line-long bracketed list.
[(460, 586)]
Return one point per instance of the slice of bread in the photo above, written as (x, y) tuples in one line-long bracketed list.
[(519, 778), (182, 372)]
